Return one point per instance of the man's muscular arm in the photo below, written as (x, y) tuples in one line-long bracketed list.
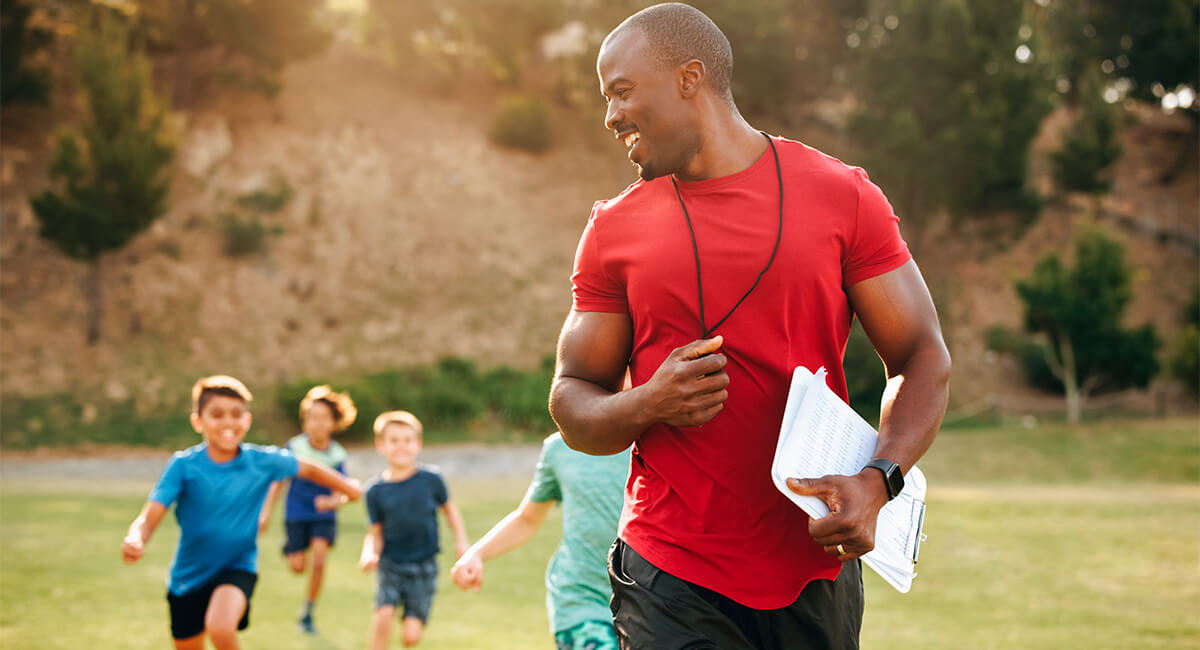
[(586, 401), (898, 316)]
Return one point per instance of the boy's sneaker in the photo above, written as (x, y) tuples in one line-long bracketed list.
[(306, 624)]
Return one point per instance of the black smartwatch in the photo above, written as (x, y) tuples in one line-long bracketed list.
[(892, 475)]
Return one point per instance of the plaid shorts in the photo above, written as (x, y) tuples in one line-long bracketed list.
[(407, 585)]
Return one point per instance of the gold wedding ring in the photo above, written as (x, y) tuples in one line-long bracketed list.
[(841, 549)]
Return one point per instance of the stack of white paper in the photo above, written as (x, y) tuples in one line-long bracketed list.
[(822, 435)]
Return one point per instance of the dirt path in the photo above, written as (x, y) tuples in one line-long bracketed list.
[(466, 461)]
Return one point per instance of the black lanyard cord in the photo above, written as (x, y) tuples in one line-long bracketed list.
[(706, 331)]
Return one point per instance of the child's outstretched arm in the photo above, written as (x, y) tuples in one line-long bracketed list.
[(330, 479), (372, 547), (134, 545), (514, 530), (264, 517), (455, 520)]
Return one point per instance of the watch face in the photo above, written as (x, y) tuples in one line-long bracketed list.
[(895, 480), (891, 475)]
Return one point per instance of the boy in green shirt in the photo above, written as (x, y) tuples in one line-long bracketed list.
[(591, 489)]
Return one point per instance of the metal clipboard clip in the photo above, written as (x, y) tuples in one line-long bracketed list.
[(918, 515)]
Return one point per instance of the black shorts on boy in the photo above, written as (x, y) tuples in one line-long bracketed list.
[(188, 611), (299, 534), (653, 609)]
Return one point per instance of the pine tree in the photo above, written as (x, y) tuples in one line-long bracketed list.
[(109, 179)]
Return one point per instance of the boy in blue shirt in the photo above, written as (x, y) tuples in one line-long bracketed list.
[(402, 540), (310, 511), (217, 488)]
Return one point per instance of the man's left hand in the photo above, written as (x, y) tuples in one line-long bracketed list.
[(848, 531)]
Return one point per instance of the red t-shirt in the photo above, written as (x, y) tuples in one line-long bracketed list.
[(699, 502)]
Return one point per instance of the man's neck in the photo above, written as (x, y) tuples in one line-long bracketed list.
[(728, 145)]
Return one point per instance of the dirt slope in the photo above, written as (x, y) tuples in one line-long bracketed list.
[(410, 236)]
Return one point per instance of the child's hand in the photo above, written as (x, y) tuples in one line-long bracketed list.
[(462, 546), (327, 502), (368, 562), (133, 549), (264, 522), (468, 573)]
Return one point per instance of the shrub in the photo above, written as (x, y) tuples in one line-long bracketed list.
[(243, 237), (268, 200), (450, 397), (523, 122)]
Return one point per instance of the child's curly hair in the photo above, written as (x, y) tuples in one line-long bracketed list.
[(344, 411)]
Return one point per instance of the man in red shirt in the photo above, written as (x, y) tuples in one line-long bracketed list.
[(735, 258)]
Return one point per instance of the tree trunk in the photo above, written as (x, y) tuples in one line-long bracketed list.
[(1070, 380), (93, 285), (1074, 403)]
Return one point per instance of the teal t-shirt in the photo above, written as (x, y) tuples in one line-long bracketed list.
[(217, 507), (591, 490)]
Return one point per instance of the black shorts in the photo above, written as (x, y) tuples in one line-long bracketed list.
[(654, 610), (188, 610), (301, 533)]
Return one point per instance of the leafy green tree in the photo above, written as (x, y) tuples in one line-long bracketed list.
[(18, 83), (242, 43), (1078, 312), (950, 102), (1147, 47), (498, 38), (1089, 148), (109, 178), (1146, 41)]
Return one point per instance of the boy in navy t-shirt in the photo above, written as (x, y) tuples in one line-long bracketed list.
[(217, 488), (402, 540)]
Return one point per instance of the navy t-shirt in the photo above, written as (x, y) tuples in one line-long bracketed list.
[(407, 511)]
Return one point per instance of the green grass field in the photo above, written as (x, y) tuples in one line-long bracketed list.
[(1046, 538)]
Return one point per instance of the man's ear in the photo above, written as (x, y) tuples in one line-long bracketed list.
[(691, 75)]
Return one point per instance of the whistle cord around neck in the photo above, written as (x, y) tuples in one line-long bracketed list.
[(705, 330)]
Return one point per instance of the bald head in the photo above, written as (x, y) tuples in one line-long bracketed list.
[(676, 33)]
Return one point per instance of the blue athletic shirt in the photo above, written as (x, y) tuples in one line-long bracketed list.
[(303, 492), (217, 507), (408, 511)]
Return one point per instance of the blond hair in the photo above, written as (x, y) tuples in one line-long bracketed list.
[(206, 387), (397, 417), (344, 411)]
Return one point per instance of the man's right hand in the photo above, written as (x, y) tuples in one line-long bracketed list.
[(688, 389), (368, 562)]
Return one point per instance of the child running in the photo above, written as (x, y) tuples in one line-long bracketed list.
[(310, 511), (402, 538), (591, 491), (217, 488)]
